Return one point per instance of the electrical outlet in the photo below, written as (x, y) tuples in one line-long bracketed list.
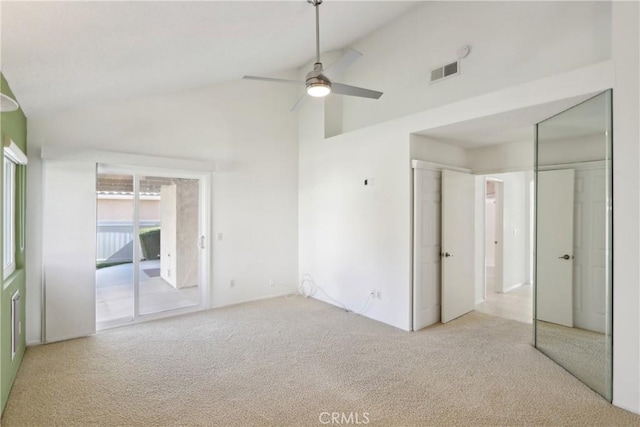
[(272, 282), (379, 295), (232, 283)]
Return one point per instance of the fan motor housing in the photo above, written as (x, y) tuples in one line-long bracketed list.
[(316, 77)]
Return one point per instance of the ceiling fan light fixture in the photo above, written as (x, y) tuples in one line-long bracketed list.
[(318, 89), (318, 84)]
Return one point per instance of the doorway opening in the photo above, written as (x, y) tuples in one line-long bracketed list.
[(149, 244), (506, 289), (493, 226)]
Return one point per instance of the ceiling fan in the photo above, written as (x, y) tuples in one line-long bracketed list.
[(319, 81)]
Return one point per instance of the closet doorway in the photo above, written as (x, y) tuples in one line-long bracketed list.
[(505, 288)]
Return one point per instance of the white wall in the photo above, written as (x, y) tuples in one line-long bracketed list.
[(490, 232), (511, 43), (355, 238), (245, 128), (431, 150), (479, 239), (519, 155), (626, 232), (572, 150), (501, 158), (515, 229)]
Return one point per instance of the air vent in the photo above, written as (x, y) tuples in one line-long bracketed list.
[(445, 71)]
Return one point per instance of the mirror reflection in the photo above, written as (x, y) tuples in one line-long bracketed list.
[(573, 241)]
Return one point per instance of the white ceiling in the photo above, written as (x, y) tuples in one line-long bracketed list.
[(59, 55), (518, 125)]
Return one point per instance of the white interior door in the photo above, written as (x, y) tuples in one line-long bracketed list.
[(458, 205), (554, 269), (69, 247), (426, 250)]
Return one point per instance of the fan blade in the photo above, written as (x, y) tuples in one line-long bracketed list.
[(338, 68), (298, 105), (341, 89), (270, 79)]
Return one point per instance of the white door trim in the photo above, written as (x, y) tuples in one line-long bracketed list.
[(55, 152), (421, 164)]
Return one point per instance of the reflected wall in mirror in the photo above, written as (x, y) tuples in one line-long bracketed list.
[(573, 241)]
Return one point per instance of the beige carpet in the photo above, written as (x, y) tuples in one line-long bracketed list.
[(285, 361)]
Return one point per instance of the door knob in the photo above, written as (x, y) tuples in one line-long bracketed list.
[(445, 255), (565, 256)]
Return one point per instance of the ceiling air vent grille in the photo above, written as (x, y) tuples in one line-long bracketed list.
[(445, 71)]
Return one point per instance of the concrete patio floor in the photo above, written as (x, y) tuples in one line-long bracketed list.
[(114, 292)]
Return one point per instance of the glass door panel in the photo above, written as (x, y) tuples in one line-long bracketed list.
[(169, 261), (114, 249)]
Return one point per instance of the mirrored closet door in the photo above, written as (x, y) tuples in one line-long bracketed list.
[(573, 263)]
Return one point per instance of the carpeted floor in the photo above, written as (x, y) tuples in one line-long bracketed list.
[(288, 361)]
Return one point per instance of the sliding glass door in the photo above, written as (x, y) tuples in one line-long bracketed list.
[(114, 247), (150, 243), (169, 264)]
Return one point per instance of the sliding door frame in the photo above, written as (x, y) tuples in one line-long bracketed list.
[(204, 241)]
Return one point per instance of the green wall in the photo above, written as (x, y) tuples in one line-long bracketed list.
[(13, 125)]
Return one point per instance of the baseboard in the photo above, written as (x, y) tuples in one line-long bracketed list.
[(244, 301), (478, 301), (512, 287), (626, 408)]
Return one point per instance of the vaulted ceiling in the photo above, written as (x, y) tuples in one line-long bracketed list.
[(59, 55)]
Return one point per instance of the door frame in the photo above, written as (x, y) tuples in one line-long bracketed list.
[(204, 225)]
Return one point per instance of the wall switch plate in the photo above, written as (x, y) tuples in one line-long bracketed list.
[(232, 283)]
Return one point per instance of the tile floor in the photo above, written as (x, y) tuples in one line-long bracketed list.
[(516, 304), (114, 292)]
